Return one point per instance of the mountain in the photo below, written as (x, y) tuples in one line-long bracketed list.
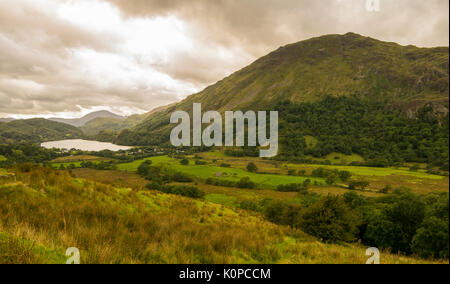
[(112, 124), (6, 120), (406, 77), (78, 122), (36, 131), (106, 129)]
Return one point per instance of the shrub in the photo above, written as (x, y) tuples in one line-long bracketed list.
[(246, 183), (432, 239), (397, 224), (251, 167), (282, 213), (358, 185), (386, 189), (144, 168), (180, 177), (301, 188), (331, 220), (184, 162), (249, 205), (187, 191)]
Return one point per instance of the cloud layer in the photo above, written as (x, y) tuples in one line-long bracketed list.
[(61, 57)]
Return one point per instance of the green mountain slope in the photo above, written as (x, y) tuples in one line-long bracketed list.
[(36, 131), (308, 71), (100, 124)]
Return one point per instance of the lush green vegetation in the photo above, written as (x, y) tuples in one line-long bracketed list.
[(204, 172), (36, 131), (22, 153), (402, 222), (350, 125), (46, 211)]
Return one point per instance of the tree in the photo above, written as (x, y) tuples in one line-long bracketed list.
[(331, 220), (432, 239), (358, 185), (396, 226), (184, 162), (345, 176), (251, 167), (144, 168)]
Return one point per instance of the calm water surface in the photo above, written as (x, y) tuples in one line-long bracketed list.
[(83, 145)]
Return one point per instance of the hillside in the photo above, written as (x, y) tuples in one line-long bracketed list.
[(78, 122), (123, 225), (36, 131), (402, 77), (110, 124)]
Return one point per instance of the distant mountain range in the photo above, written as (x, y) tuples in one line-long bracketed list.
[(78, 122)]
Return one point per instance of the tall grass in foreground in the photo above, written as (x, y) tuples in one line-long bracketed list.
[(52, 211)]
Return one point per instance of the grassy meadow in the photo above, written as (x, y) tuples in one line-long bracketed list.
[(113, 216), (46, 211)]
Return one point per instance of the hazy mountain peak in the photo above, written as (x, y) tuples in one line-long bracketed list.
[(78, 122)]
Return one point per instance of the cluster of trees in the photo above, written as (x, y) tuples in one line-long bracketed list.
[(187, 191), (402, 222), (353, 125), (27, 153), (242, 152), (295, 187), (332, 176), (102, 165), (160, 176), (244, 182)]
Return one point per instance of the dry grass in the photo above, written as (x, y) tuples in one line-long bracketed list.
[(54, 211)]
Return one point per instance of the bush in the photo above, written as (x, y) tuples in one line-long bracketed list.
[(282, 213), (246, 183), (432, 239), (331, 220), (251, 167), (358, 185), (144, 168), (301, 188), (396, 226), (180, 177), (249, 205), (184, 162), (187, 191)]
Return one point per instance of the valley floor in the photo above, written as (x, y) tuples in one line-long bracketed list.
[(112, 218)]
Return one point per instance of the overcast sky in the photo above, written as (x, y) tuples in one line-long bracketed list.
[(68, 58)]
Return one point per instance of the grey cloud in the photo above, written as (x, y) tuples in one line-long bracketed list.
[(36, 46)]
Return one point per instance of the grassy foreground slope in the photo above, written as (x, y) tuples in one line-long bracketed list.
[(45, 212)]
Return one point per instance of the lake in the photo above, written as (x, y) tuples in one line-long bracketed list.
[(83, 145)]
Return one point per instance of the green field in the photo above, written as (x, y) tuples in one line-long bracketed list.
[(132, 226), (265, 181), (368, 171)]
